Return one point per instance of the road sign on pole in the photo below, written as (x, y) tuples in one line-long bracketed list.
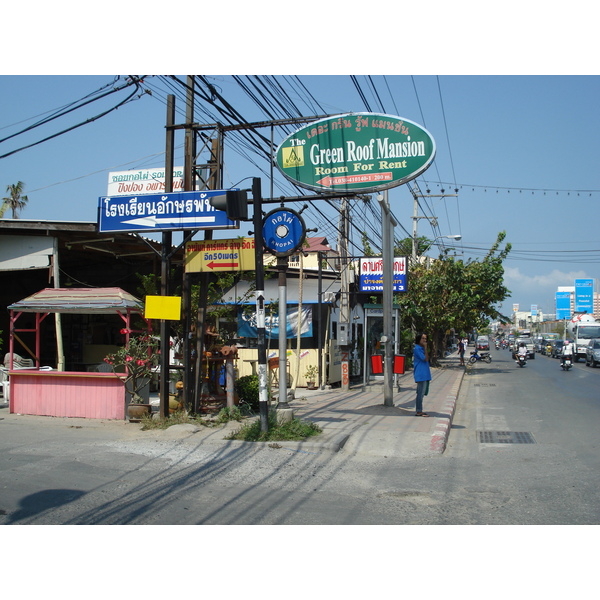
[(162, 212)]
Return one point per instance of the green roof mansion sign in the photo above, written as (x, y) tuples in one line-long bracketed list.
[(356, 152)]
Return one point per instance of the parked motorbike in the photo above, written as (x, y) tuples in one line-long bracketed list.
[(566, 363), (521, 360), (484, 356)]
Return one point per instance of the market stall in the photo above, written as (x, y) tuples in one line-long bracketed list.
[(51, 392)]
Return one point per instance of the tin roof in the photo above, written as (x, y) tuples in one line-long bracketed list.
[(79, 301)]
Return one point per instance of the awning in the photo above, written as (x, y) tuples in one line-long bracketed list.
[(79, 300)]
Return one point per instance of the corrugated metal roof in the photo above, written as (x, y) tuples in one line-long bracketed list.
[(78, 300)]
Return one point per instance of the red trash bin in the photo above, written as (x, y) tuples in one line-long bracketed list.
[(399, 360), (377, 364)]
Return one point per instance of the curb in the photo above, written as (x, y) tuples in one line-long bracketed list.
[(439, 438)]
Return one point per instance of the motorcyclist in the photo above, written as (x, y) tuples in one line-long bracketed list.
[(567, 350), (522, 351)]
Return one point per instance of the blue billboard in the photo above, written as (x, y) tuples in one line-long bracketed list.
[(563, 305), (584, 295)]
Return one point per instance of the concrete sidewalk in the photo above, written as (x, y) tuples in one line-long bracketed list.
[(358, 421)]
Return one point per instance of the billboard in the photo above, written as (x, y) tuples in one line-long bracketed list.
[(584, 295), (355, 152), (563, 305)]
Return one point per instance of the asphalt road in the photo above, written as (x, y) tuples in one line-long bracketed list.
[(88, 475)]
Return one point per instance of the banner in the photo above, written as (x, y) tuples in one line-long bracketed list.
[(247, 323)]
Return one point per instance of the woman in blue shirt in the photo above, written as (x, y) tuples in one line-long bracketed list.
[(421, 371)]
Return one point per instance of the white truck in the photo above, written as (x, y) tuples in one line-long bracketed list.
[(580, 330)]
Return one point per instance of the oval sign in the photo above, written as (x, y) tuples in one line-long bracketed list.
[(283, 231), (356, 152)]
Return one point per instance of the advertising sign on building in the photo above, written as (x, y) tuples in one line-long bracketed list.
[(356, 152), (371, 274), (563, 305), (584, 295)]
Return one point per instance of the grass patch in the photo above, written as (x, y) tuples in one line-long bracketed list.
[(294, 430), (182, 418)]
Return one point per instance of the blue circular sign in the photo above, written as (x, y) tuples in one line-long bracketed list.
[(283, 231)]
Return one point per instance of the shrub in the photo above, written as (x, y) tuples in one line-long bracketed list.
[(294, 430), (248, 391)]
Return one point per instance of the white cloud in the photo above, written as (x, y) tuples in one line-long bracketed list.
[(538, 289), (550, 280)]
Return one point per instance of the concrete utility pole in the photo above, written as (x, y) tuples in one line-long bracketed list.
[(343, 332), (388, 223), (416, 218)]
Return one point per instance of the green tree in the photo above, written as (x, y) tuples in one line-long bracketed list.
[(452, 294), (404, 247), (15, 201)]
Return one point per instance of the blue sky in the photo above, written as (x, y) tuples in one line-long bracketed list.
[(521, 150)]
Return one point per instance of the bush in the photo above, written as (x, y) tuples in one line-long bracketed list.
[(248, 391), (294, 430)]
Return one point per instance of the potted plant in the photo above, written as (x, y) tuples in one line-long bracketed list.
[(311, 376), (133, 364)]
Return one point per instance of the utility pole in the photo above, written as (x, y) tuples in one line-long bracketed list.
[(263, 392), (416, 218), (387, 223), (343, 335), (167, 238)]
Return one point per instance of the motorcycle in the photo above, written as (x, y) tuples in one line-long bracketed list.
[(484, 356), (566, 363), (521, 360)]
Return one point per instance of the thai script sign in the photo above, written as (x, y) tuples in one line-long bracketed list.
[(371, 274), (283, 231), (142, 181), (160, 212), (356, 152), (220, 255)]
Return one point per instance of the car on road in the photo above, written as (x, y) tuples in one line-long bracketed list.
[(483, 343), (592, 353), (528, 344), (557, 348)]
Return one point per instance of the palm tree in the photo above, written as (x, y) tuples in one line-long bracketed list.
[(14, 201)]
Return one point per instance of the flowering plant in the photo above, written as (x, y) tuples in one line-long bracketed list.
[(135, 361)]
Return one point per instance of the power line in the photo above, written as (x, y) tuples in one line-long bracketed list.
[(135, 81)]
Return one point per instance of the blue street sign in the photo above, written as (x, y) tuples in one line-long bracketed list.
[(283, 231), (161, 212)]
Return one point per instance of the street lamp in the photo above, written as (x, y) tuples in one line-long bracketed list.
[(456, 237)]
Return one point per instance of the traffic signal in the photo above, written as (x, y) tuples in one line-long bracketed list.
[(234, 203)]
